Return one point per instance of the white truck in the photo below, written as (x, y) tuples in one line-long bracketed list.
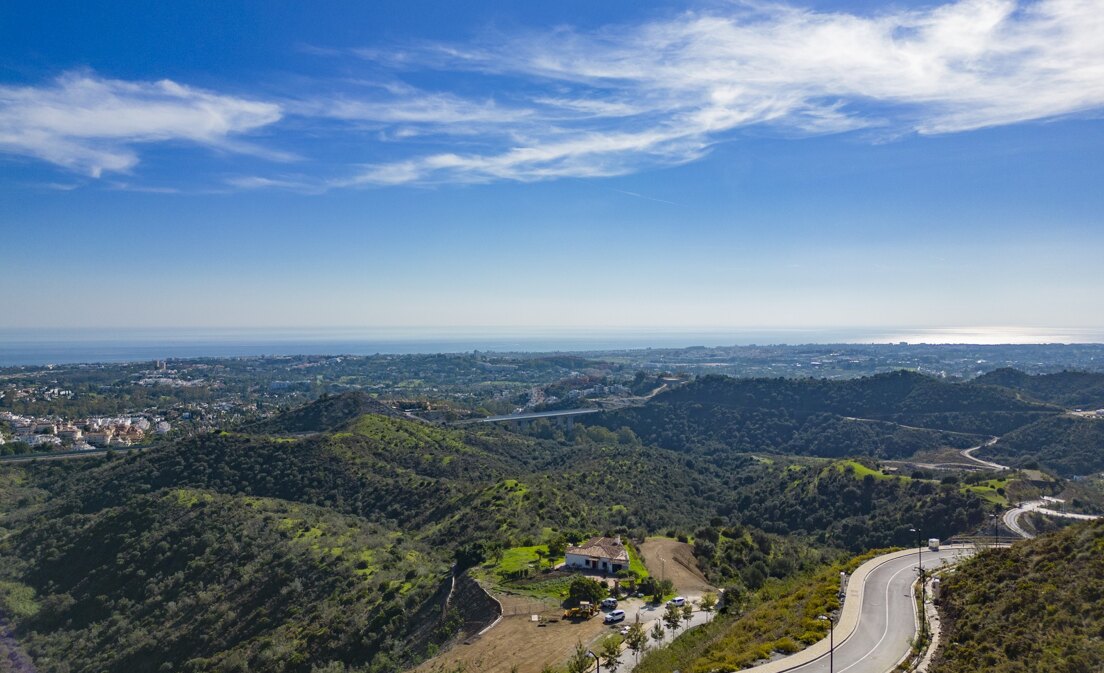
[(933, 544)]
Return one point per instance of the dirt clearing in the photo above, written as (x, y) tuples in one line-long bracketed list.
[(516, 641), (674, 560)]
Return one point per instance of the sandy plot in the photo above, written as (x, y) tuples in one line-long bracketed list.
[(675, 561), (516, 641)]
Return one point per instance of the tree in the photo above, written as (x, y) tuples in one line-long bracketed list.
[(735, 597), (657, 588), (672, 616), (637, 640), (586, 589), (579, 661), (610, 651), (469, 555), (557, 546), (708, 602), (687, 613), (658, 633)]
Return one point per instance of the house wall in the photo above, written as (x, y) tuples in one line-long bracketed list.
[(581, 561), (577, 561)]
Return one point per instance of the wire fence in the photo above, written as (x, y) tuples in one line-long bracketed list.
[(517, 605)]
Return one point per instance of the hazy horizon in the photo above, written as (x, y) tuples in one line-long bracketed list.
[(32, 347)]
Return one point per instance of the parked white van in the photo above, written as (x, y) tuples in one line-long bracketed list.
[(677, 601)]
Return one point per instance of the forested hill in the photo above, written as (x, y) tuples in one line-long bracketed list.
[(1067, 389), (329, 413), (884, 396), (194, 580), (1035, 608), (1067, 445), (276, 554), (890, 415)]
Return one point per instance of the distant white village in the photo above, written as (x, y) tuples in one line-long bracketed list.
[(84, 434)]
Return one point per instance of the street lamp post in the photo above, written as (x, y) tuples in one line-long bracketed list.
[(920, 565), (919, 549), (597, 661), (996, 536), (831, 642)]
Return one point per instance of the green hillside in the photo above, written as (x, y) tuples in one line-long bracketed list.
[(192, 580), (1066, 388), (328, 413), (1067, 445), (235, 550), (1035, 608), (886, 416)]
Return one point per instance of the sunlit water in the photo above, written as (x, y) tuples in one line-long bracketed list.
[(40, 346)]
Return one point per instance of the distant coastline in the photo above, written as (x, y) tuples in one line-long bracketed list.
[(31, 347)]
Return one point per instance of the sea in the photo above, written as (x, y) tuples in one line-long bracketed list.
[(34, 347)]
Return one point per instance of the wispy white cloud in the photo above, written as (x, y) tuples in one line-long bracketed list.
[(90, 124), (662, 92), (567, 103), (413, 106), (296, 183)]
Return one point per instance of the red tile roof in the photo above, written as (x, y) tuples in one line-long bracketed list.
[(602, 547)]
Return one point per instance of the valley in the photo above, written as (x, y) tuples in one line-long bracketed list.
[(345, 533)]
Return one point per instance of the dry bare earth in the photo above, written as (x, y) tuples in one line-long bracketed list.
[(517, 641), (674, 560)]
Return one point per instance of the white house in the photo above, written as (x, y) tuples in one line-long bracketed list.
[(604, 554)]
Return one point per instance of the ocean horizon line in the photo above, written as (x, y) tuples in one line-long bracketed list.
[(44, 346)]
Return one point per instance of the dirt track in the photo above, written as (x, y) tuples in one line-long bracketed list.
[(674, 560)]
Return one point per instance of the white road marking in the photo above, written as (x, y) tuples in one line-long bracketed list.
[(886, 631)]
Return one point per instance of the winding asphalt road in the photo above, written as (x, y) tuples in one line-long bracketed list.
[(969, 454), (1012, 516), (887, 620)]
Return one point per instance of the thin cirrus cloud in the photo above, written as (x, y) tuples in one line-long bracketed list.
[(567, 103), (89, 124), (663, 92)]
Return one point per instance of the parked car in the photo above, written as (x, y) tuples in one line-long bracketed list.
[(677, 601), (615, 616), (609, 603)]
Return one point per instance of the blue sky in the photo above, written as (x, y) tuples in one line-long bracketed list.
[(569, 164)]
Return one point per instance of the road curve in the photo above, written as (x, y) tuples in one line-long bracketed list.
[(1011, 520), (1012, 517), (876, 636), (969, 455)]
